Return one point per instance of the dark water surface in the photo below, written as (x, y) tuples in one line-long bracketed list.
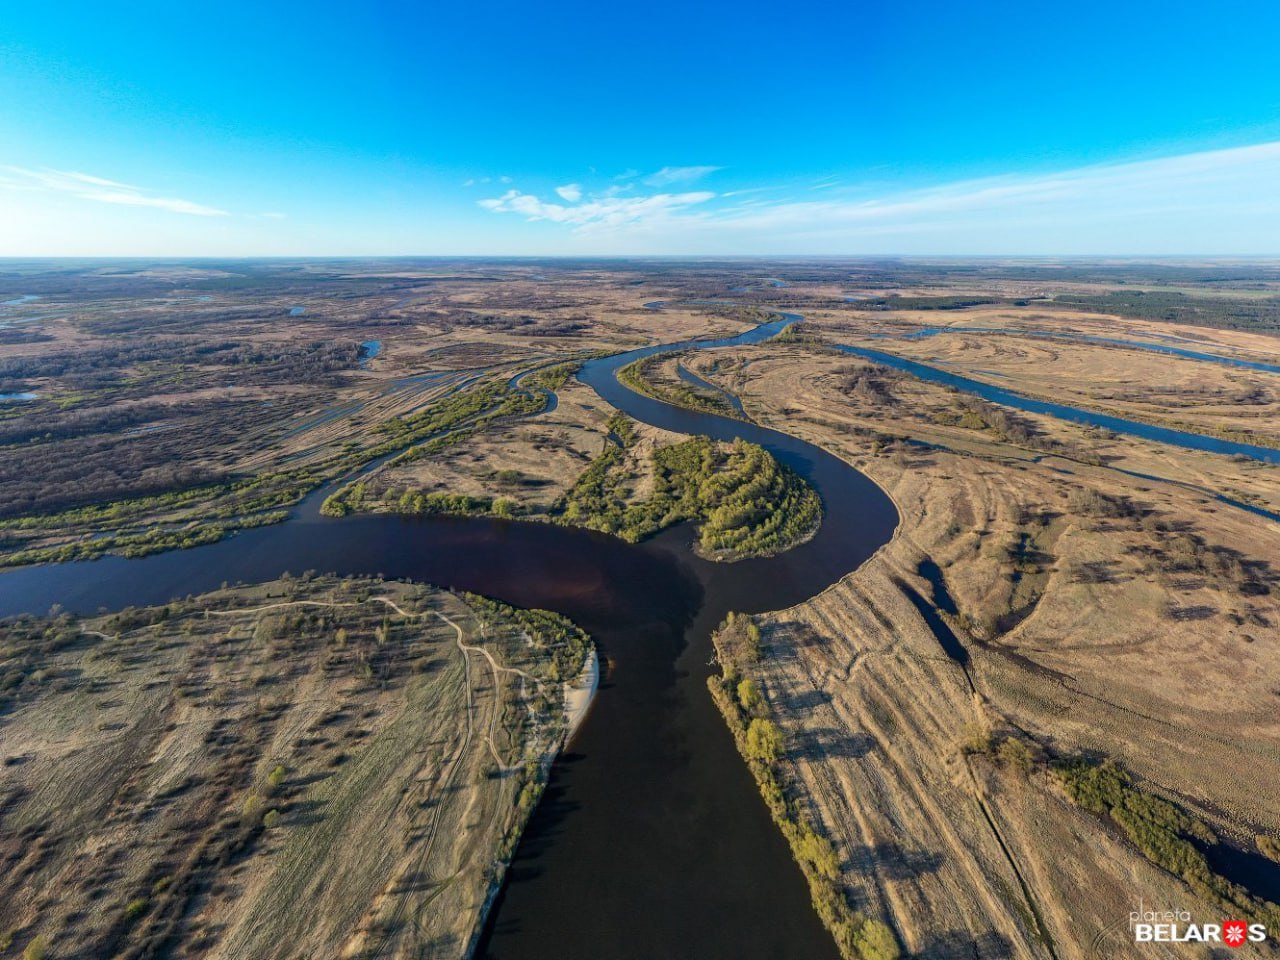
[(1089, 338), (1147, 431), (691, 378), (651, 840)]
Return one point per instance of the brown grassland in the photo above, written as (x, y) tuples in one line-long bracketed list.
[(1053, 592), (1102, 614), (308, 767)]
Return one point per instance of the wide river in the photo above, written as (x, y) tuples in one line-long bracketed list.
[(651, 840)]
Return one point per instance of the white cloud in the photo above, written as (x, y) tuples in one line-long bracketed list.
[(669, 175), (100, 190), (1103, 192), (1221, 201), (598, 212), (571, 192)]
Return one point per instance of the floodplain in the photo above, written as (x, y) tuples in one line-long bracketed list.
[(991, 738)]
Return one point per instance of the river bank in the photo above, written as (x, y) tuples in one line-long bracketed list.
[(578, 694), (1060, 607), (652, 774)]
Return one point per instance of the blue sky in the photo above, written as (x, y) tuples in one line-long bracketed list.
[(717, 128)]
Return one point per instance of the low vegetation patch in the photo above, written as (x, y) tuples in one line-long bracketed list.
[(1166, 834), (745, 501), (644, 376), (763, 746)]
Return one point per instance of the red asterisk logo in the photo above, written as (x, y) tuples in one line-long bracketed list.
[(1233, 933)]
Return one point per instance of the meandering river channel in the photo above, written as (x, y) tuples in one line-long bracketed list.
[(651, 840)]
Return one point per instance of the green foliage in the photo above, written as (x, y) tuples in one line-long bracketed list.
[(553, 377), (135, 908), (764, 741), (446, 504), (528, 798), (747, 502), (1014, 754), (206, 514), (1160, 829), (875, 941), (760, 743), (977, 738), (566, 641), (751, 699), (276, 777), (818, 851), (37, 949), (143, 543), (799, 333), (479, 400), (622, 427), (640, 374)]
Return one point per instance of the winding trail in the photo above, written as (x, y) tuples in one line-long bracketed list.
[(651, 839), (623, 835), (464, 648), (651, 815)]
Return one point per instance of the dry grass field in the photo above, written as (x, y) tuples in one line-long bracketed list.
[(1100, 614), (1186, 394), (306, 768), (173, 408), (532, 462), (203, 782)]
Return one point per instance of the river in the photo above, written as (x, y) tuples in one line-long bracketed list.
[(1008, 398), (651, 839)]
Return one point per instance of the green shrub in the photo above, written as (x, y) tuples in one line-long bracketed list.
[(135, 908), (748, 504), (751, 699), (764, 740)]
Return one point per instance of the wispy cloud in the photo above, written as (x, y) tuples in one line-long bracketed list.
[(604, 211), (669, 175), (1204, 202), (99, 190), (1109, 192), (570, 192)]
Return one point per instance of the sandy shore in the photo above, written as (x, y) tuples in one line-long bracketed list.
[(578, 694)]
